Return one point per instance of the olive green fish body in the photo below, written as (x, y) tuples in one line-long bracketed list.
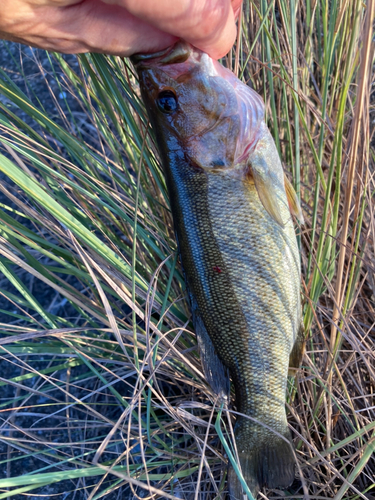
[(241, 265)]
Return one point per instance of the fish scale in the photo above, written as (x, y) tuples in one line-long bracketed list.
[(264, 274), (237, 245), (255, 261)]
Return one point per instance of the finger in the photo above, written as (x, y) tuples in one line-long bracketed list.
[(90, 25), (236, 6), (207, 24)]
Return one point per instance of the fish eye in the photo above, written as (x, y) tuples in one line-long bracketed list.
[(167, 101)]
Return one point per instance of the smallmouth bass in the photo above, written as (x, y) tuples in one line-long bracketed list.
[(231, 210)]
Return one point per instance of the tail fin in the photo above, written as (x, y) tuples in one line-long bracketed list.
[(269, 463)]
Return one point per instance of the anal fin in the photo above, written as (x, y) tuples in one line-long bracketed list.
[(215, 372), (297, 353)]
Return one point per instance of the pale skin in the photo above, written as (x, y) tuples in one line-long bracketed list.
[(120, 27)]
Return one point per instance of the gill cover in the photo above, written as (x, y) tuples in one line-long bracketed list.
[(217, 120)]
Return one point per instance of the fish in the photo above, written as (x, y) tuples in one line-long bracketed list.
[(232, 211)]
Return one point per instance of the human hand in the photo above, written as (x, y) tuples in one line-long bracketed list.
[(120, 27)]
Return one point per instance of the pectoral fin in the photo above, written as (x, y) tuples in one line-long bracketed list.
[(265, 184), (294, 204), (270, 181)]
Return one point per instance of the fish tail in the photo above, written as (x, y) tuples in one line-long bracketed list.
[(269, 462)]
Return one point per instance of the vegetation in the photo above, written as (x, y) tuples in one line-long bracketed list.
[(102, 389)]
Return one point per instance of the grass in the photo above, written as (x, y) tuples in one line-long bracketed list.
[(102, 389)]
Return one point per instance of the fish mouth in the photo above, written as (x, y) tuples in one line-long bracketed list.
[(177, 53)]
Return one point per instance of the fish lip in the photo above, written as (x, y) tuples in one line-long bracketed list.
[(177, 53), (139, 58)]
